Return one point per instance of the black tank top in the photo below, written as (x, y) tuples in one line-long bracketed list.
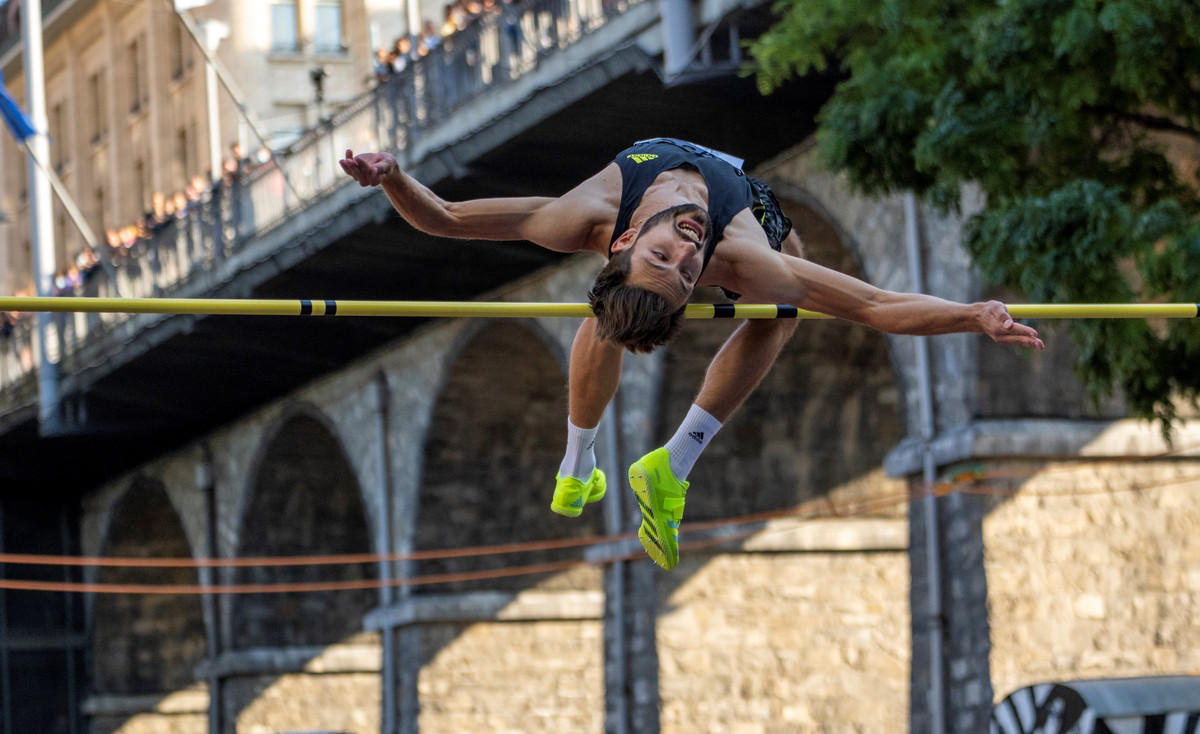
[(729, 191)]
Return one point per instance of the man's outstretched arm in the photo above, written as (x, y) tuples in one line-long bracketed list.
[(563, 224), (776, 278)]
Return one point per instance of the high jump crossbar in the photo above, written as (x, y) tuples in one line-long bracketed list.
[(516, 309)]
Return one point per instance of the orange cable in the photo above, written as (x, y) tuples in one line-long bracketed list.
[(827, 508)]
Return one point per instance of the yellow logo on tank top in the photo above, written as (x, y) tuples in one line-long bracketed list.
[(642, 157)]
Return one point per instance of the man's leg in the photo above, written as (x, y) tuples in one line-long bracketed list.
[(735, 372), (595, 372), (659, 479)]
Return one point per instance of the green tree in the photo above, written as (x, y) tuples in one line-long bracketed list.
[(1068, 114)]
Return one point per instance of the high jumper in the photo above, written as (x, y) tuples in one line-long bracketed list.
[(670, 215)]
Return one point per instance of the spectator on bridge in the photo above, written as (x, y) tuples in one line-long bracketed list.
[(430, 36), (236, 165), (513, 36), (404, 52), (385, 64), (670, 215)]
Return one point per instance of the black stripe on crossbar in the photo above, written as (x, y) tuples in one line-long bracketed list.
[(305, 308), (1198, 309), (784, 311), (724, 310), (331, 308)]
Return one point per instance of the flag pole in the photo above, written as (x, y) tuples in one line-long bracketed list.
[(68, 202), (41, 224)]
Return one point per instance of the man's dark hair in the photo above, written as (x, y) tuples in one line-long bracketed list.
[(636, 318)]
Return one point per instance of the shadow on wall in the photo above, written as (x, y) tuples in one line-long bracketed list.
[(494, 445), (149, 648)]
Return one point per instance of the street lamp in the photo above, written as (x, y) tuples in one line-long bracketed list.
[(317, 77)]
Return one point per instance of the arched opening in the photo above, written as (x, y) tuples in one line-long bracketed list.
[(494, 445), (305, 501), (146, 643)]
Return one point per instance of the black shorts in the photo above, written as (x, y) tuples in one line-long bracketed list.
[(767, 211), (770, 216)]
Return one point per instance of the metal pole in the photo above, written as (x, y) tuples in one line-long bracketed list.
[(206, 479), (933, 572), (69, 623), (6, 726), (387, 593), (614, 520), (679, 30), (81, 224), (42, 229)]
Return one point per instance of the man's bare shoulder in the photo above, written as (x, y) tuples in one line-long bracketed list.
[(596, 201), (742, 251)]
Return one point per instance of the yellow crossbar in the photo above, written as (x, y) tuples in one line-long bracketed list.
[(504, 309)]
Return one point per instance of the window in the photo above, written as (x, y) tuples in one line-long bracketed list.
[(60, 238), (327, 38), (285, 30), (137, 76), (139, 182), (177, 49), (183, 151), (58, 136), (98, 123), (99, 213)]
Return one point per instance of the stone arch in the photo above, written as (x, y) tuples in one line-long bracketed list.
[(304, 500), (146, 643), (823, 419), (494, 443), (559, 352)]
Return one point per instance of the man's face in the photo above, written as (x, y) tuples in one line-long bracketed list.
[(668, 253)]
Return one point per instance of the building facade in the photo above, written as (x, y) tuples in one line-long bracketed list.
[(128, 103)]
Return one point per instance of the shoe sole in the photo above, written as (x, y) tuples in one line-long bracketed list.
[(651, 531)]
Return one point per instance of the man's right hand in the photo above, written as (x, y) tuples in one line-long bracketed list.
[(369, 169)]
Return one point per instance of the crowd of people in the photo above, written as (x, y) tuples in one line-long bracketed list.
[(457, 17), (129, 240), (123, 242)]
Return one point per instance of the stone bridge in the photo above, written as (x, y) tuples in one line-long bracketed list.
[(381, 450)]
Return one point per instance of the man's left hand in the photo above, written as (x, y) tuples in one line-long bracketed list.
[(999, 325)]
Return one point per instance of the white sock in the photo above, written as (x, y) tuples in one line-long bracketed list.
[(685, 447), (580, 457)]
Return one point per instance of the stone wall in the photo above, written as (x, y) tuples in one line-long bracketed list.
[(1076, 560), (1093, 570), (512, 678), (302, 702), (196, 723), (795, 643)]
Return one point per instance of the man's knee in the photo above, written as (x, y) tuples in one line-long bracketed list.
[(776, 331)]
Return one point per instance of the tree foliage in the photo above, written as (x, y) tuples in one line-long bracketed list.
[(1069, 114)]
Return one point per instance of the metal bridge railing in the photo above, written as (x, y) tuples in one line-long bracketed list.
[(494, 50)]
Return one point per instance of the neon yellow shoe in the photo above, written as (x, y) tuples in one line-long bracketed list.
[(570, 494), (660, 496)]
